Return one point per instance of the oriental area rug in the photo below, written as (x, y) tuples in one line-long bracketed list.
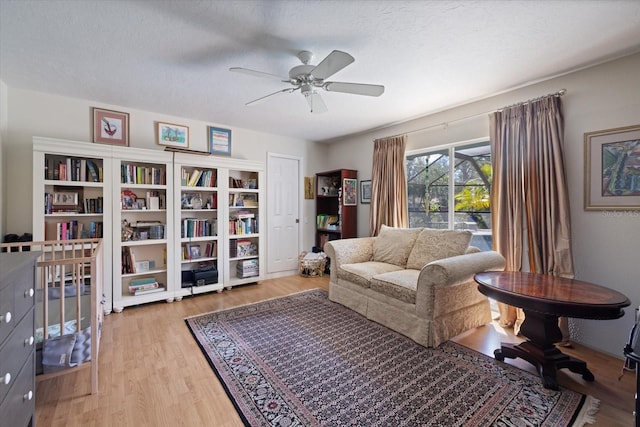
[(302, 360)]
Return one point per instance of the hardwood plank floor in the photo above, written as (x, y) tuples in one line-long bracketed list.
[(152, 372)]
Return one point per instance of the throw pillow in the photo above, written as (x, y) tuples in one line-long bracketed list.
[(437, 244), (393, 245)]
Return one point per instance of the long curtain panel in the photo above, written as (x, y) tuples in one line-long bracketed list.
[(388, 184), (529, 198)]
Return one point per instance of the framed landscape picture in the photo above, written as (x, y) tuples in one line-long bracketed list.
[(173, 135), (612, 169), (219, 141), (350, 192), (110, 127)]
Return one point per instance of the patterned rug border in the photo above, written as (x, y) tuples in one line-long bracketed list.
[(584, 413)]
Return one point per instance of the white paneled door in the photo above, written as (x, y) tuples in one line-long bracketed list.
[(283, 217)]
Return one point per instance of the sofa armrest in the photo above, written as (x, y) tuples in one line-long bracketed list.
[(451, 271), (348, 251), (448, 271)]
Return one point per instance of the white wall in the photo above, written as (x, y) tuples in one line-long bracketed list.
[(40, 114), (3, 131), (606, 247)]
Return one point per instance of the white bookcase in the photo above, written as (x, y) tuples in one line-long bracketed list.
[(143, 238), (154, 222), (197, 221), (72, 195), (245, 243)]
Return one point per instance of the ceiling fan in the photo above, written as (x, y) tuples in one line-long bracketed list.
[(308, 78)]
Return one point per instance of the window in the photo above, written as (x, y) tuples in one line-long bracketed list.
[(435, 203)]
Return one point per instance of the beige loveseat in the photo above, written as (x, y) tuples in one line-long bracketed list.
[(416, 281)]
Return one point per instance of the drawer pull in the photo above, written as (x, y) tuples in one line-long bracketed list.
[(6, 318), (7, 378), (29, 293), (28, 395), (28, 342)]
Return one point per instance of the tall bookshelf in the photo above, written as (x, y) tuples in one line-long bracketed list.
[(197, 224), (72, 195), (244, 242), (143, 238), (336, 211)]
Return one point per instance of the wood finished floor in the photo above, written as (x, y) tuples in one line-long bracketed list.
[(152, 372)]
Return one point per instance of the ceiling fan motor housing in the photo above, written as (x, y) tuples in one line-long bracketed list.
[(301, 74)]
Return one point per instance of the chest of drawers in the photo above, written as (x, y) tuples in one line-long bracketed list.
[(17, 346)]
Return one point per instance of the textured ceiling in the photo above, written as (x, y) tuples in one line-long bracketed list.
[(172, 57)]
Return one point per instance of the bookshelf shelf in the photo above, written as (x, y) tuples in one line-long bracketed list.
[(145, 273)]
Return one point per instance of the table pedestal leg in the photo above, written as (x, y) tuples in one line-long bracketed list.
[(542, 332)]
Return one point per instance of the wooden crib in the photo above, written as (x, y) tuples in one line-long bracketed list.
[(69, 293)]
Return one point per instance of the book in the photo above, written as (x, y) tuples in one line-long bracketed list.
[(147, 284), (93, 171), (195, 176), (149, 291), (153, 285), (143, 281)]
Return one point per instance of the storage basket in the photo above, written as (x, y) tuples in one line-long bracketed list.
[(310, 267)]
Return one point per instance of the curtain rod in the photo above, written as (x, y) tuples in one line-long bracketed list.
[(559, 93)]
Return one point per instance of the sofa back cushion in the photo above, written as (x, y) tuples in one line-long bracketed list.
[(437, 244), (393, 245)]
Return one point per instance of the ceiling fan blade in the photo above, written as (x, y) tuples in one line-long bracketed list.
[(257, 101), (330, 65), (315, 101), (257, 73), (354, 88)]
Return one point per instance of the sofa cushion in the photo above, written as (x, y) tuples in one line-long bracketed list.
[(362, 272), (437, 244), (400, 284), (393, 245)]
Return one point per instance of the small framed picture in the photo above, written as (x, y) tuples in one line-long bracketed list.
[(350, 191), (612, 169), (219, 141), (194, 252), (173, 135), (110, 127), (65, 199), (365, 191)]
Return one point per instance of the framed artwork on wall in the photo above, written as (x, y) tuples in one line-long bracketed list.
[(308, 187), (219, 141), (173, 135), (110, 127), (350, 192), (365, 191), (612, 169)]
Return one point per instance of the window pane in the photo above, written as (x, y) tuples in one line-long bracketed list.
[(428, 189), (472, 210)]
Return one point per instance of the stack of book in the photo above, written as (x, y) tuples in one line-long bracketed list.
[(247, 268), (144, 286)]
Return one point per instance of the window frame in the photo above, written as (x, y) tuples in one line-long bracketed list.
[(450, 149)]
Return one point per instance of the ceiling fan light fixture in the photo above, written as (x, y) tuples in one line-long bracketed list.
[(316, 104)]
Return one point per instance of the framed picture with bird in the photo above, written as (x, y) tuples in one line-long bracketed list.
[(110, 127)]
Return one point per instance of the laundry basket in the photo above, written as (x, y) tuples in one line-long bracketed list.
[(311, 264)]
